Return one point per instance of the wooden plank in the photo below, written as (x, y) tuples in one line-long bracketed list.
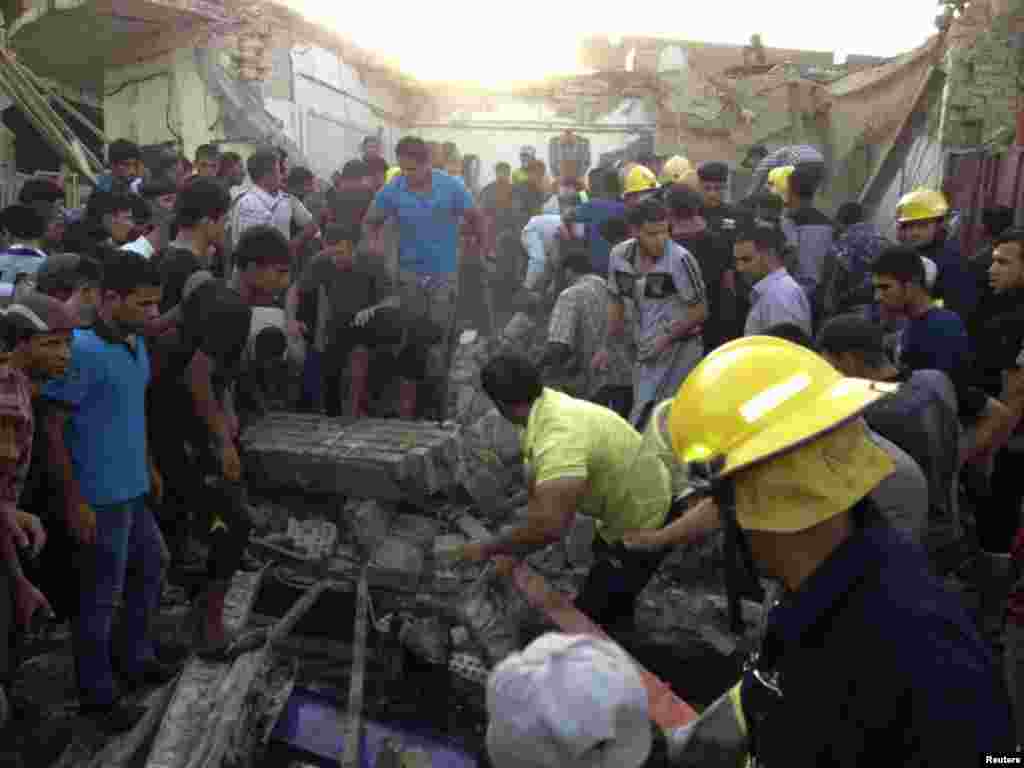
[(666, 709), (354, 716)]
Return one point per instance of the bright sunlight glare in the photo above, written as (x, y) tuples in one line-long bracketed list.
[(495, 45)]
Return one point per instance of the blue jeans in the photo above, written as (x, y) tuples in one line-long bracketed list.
[(126, 536), (312, 380)]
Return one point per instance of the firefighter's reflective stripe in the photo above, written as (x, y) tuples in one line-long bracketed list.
[(717, 738)]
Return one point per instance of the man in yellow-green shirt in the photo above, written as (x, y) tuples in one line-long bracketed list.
[(580, 457)]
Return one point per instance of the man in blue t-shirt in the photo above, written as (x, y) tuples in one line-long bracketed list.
[(429, 207), (603, 206), (933, 338), (101, 451)]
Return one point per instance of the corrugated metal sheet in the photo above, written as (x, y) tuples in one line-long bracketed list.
[(977, 179)]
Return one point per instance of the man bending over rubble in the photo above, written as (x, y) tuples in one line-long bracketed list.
[(580, 457)]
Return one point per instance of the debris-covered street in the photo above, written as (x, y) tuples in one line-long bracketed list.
[(381, 387)]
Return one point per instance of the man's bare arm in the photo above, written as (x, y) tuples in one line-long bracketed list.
[(695, 317), (551, 510), (990, 432), (1013, 394), (373, 229), (200, 383), (696, 523), (60, 457), (616, 318)]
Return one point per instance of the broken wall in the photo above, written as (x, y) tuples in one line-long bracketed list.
[(161, 100), (985, 80), (333, 108), (869, 110)]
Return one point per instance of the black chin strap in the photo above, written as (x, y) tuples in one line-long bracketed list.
[(740, 574)]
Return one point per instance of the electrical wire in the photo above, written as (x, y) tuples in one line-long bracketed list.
[(135, 81)]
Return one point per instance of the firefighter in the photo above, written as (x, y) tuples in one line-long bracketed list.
[(675, 168), (641, 184), (921, 216), (865, 659)]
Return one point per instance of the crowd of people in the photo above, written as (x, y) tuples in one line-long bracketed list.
[(845, 408)]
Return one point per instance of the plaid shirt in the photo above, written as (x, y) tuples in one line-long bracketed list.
[(16, 405), (580, 321), (792, 155)]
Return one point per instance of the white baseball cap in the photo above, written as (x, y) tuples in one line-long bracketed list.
[(568, 701)]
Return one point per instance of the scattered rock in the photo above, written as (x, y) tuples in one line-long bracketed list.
[(416, 528), (579, 544), (473, 528), (397, 563)]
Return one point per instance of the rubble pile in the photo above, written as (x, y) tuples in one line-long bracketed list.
[(384, 501)]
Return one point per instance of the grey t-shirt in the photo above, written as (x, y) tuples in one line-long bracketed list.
[(922, 419), (902, 497)]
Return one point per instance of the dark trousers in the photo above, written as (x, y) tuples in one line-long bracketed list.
[(999, 521), (7, 624), (189, 499), (617, 577), (127, 539)]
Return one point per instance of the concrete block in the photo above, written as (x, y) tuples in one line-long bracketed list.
[(396, 564), (473, 528), (371, 520), (416, 528), (371, 458)]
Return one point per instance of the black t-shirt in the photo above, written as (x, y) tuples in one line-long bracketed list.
[(714, 255), (347, 292), (176, 266), (216, 321), (349, 206)]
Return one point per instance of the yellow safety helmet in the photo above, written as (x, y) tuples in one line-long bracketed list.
[(393, 171), (639, 179), (778, 180), (922, 204), (674, 169), (758, 397)]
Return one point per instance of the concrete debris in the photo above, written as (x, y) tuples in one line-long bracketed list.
[(416, 528), (494, 612), (241, 597), (445, 544), (397, 564), (469, 667), (473, 528), (315, 539), (373, 458), (190, 710), (371, 520), (579, 544), (426, 638)]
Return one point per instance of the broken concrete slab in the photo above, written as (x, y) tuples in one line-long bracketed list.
[(188, 714), (372, 458), (241, 597)]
